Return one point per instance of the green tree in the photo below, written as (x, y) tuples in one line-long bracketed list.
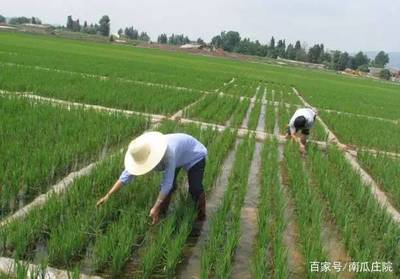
[(131, 33), (144, 37), (335, 60), (381, 59), (290, 52), (162, 39), (200, 41), (70, 22), (216, 41), (315, 53), (281, 49), (360, 59), (343, 61), (104, 25), (2, 19), (385, 74), (230, 40)]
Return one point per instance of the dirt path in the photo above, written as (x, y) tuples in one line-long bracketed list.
[(261, 119), (7, 266), (248, 219), (190, 267)]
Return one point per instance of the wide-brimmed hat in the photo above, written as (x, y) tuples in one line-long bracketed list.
[(145, 152)]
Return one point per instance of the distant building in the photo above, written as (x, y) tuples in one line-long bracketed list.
[(191, 46)]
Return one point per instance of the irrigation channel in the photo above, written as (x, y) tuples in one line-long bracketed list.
[(191, 263)]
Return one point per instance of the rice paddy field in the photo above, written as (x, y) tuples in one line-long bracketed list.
[(69, 108)]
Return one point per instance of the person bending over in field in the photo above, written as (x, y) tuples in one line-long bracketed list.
[(302, 120), (168, 153)]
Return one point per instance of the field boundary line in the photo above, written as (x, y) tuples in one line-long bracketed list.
[(100, 77), (225, 85), (30, 95), (179, 113), (367, 179), (8, 266), (56, 189), (156, 118)]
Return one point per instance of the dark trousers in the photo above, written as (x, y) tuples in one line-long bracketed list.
[(195, 179)]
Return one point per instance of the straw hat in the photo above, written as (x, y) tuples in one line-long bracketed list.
[(145, 152)]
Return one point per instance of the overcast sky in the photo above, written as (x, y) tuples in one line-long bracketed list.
[(350, 25)]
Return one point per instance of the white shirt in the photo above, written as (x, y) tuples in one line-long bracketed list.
[(308, 114)]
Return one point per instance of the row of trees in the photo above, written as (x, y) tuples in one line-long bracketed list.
[(102, 28), (337, 60), (174, 39), (20, 20), (134, 34)]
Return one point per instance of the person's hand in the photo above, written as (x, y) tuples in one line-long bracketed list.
[(155, 215), (102, 200)]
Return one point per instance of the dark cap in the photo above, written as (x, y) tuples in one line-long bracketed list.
[(300, 122)]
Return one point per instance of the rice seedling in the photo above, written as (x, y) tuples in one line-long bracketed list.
[(111, 93), (270, 257), (369, 232), (239, 114), (225, 223), (270, 117), (309, 209), (386, 171), (214, 108), (254, 116), (369, 133), (39, 144)]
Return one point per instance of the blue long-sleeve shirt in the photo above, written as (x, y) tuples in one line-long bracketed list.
[(182, 151)]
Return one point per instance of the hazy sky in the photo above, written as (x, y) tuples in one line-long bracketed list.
[(350, 25)]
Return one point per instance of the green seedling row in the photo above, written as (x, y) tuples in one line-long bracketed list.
[(214, 108), (386, 172), (254, 116), (309, 209), (39, 144), (270, 118), (110, 92), (270, 255), (216, 258), (239, 114), (369, 233), (363, 132)]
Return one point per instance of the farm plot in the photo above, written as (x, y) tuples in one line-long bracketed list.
[(386, 171), (224, 234), (240, 87), (110, 92), (103, 240), (39, 144), (281, 93), (369, 233), (369, 133), (216, 109), (141, 64)]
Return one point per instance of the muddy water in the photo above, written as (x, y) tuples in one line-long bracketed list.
[(296, 260), (261, 119), (335, 248), (190, 267), (248, 219), (276, 127)]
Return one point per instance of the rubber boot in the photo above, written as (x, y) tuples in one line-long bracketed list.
[(201, 208), (201, 216)]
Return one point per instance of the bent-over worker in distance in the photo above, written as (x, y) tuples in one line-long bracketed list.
[(168, 153), (302, 120)]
